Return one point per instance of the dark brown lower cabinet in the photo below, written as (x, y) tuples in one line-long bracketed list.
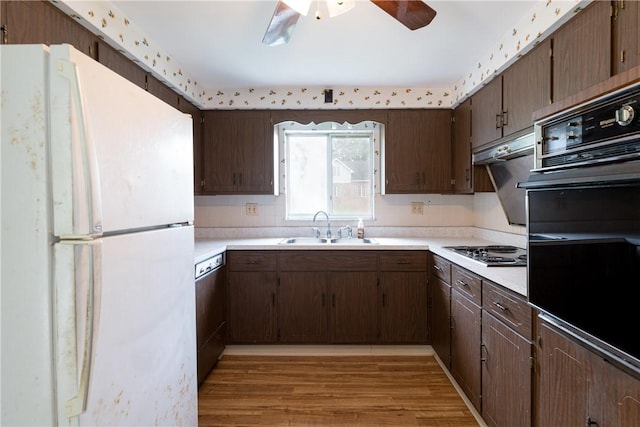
[(211, 330), (302, 307), (326, 296), (621, 399), (506, 375), (403, 311), (441, 319), (252, 307), (403, 297), (579, 388), (465, 345), (353, 312)]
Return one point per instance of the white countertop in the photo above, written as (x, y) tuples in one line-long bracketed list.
[(513, 278)]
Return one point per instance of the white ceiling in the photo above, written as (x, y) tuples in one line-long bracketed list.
[(219, 43)]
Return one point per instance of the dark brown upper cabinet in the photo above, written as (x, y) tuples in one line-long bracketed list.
[(487, 113), (237, 152), (466, 177), (582, 51), (461, 148), (116, 61), (162, 91), (34, 22), (506, 104), (418, 152), (626, 35), (526, 87)]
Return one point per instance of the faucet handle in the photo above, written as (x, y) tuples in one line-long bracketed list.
[(317, 232), (349, 232)]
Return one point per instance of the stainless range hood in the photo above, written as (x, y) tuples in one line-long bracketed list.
[(509, 162)]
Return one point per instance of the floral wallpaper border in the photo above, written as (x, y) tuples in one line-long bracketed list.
[(105, 19)]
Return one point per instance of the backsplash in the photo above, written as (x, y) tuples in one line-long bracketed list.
[(443, 215)]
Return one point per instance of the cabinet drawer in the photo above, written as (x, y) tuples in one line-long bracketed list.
[(441, 268), (508, 307), (467, 284), (403, 261), (252, 260), (324, 260)]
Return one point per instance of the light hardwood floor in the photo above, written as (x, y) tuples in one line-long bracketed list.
[(367, 389)]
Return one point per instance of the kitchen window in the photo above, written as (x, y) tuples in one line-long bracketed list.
[(329, 167)]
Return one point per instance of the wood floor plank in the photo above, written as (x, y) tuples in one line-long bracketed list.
[(330, 391)]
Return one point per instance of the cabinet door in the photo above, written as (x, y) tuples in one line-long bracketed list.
[(162, 91), (402, 151), (626, 41), (461, 145), (238, 152), (403, 313), (486, 107), (210, 317), (506, 375), (302, 307), (219, 168), (435, 152), (35, 22), (114, 60), (526, 87), (353, 314), (563, 389), (418, 151), (254, 152), (621, 396), (441, 319), (582, 51), (252, 307), (3, 22), (465, 345)]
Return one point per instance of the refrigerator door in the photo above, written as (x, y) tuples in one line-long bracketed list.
[(126, 330), (27, 380), (120, 158)]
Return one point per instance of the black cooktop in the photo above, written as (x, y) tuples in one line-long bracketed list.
[(493, 255)]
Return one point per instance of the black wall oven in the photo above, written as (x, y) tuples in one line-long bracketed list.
[(583, 225)]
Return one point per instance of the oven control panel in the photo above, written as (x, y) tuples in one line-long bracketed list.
[(603, 130)]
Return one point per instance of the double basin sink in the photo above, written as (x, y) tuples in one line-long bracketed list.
[(326, 241)]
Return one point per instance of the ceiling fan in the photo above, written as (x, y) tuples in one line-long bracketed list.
[(413, 14)]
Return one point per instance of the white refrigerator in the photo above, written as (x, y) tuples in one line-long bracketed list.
[(98, 300)]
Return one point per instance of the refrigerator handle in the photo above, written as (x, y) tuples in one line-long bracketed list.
[(88, 256), (87, 163)]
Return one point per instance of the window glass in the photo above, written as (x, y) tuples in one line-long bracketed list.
[(329, 167)]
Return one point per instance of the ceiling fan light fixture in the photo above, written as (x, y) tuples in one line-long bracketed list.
[(338, 7), (300, 6)]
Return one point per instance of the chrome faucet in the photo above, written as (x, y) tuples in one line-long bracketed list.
[(328, 223)]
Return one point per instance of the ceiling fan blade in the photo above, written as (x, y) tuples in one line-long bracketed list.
[(413, 14), (282, 24)]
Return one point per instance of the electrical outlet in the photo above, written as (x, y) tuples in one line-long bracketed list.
[(417, 208), (251, 209)]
